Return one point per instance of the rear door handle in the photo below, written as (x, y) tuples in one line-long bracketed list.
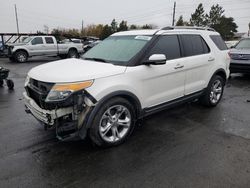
[(179, 66), (211, 59)]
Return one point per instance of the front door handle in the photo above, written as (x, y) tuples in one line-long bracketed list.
[(179, 66), (211, 59)]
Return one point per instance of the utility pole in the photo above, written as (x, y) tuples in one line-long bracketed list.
[(174, 14), (82, 26), (17, 25), (248, 34)]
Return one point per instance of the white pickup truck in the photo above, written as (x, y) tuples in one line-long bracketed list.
[(42, 46)]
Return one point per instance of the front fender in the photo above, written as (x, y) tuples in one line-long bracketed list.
[(18, 48)]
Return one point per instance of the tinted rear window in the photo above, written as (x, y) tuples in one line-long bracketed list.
[(49, 40), (194, 45), (219, 42)]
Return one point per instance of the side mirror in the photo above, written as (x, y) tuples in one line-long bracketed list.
[(156, 59)]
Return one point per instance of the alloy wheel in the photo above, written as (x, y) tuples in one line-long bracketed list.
[(216, 91), (115, 123), (21, 57)]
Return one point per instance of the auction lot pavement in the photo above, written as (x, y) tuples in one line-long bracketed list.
[(189, 146)]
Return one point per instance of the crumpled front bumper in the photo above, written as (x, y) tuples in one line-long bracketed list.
[(45, 116)]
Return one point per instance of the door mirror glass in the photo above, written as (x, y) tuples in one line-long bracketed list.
[(156, 59)]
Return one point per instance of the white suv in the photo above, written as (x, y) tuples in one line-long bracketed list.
[(126, 77)]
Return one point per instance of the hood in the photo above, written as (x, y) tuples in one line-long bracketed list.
[(74, 70), (16, 44)]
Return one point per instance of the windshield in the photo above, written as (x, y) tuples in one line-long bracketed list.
[(117, 49), (245, 43), (28, 39)]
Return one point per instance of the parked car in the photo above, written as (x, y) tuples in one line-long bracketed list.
[(72, 40), (231, 43), (90, 44), (42, 46), (126, 77), (240, 57), (1, 46)]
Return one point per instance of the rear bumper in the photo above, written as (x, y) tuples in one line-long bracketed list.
[(240, 68)]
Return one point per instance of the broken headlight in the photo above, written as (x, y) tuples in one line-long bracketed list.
[(60, 92)]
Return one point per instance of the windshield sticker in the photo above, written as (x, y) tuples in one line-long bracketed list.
[(143, 38)]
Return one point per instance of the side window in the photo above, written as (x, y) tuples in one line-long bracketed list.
[(37, 40), (205, 46), (194, 45), (168, 45), (219, 42), (49, 40)]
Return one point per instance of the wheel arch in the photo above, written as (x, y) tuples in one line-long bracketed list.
[(23, 50), (133, 99), (220, 72), (73, 48)]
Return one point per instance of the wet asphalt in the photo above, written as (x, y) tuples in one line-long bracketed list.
[(188, 146)]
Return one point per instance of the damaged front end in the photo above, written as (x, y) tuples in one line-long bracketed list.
[(63, 107)]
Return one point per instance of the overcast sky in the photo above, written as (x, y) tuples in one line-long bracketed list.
[(34, 14)]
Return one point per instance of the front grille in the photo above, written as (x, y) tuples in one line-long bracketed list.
[(41, 87), (38, 91), (9, 51)]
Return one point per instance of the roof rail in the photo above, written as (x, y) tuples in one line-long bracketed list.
[(188, 27)]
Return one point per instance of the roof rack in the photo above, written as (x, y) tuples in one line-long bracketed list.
[(188, 27)]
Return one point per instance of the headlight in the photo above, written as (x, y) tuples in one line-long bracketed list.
[(62, 91), (27, 80)]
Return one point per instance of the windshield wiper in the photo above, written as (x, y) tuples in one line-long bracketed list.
[(96, 59)]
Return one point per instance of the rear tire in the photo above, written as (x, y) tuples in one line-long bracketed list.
[(10, 84), (21, 56), (12, 59), (113, 123), (73, 53), (1, 83), (63, 56), (214, 92)]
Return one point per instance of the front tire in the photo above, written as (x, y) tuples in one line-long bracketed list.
[(21, 56), (113, 123), (214, 92)]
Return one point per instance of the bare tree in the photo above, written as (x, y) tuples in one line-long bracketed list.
[(46, 29)]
